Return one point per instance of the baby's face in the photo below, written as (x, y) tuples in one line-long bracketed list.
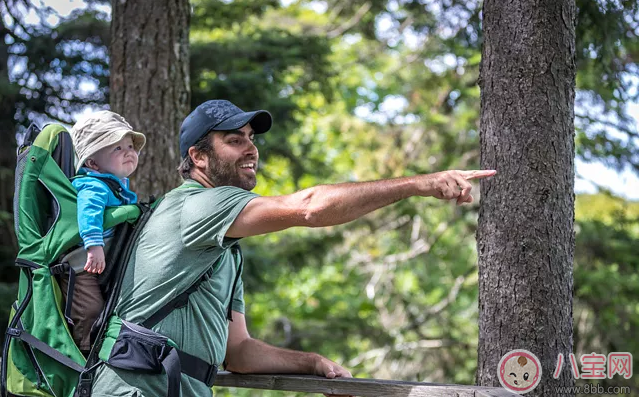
[(119, 159)]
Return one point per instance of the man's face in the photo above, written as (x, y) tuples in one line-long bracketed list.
[(234, 159)]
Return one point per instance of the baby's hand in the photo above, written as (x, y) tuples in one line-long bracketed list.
[(95, 259)]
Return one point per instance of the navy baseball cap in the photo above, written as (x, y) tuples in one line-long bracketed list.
[(219, 115)]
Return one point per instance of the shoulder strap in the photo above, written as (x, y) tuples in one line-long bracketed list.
[(114, 186), (229, 314), (183, 299)]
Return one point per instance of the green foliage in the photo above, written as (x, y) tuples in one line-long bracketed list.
[(607, 50), (60, 69), (606, 278)]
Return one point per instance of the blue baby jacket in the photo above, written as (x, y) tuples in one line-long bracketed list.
[(94, 196)]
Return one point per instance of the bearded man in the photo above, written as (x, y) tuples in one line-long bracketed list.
[(192, 239)]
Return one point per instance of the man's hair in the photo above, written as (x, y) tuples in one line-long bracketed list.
[(187, 165)]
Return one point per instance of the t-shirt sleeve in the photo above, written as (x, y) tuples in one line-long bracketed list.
[(207, 215)]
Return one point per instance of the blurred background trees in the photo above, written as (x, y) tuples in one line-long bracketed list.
[(359, 90)]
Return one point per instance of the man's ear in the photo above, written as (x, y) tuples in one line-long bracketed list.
[(200, 159)]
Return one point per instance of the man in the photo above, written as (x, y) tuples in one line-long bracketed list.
[(193, 235)]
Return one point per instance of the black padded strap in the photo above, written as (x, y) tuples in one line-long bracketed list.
[(197, 368), (70, 289), (177, 362), (44, 348), (172, 367), (237, 251), (60, 269), (115, 187), (29, 350), (183, 299), (26, 263), (63, 154), (176, 303)]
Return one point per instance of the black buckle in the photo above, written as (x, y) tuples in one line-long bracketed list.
[(58, 269), (84, 385), (14, 332), (210, 375)]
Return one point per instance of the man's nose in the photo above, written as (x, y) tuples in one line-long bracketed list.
[(251, 149)]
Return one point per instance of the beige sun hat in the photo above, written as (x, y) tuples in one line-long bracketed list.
[(99, 130)]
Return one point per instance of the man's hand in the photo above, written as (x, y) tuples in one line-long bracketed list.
[(329, 369), (95, 259), (449, 185)]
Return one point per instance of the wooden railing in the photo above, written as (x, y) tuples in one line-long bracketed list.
[(355, 386)]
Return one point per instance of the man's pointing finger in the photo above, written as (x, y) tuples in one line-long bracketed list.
[(477, 174)]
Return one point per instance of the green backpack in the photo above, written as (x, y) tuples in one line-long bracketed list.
[(40, 357)]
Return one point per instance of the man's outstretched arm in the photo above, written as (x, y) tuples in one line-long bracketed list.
[(247, 355), (329, 205)]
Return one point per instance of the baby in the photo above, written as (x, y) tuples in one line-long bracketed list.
[(107, 149)]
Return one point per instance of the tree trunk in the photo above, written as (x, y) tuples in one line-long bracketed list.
[(8, 93), (525, 232), (149, 85)]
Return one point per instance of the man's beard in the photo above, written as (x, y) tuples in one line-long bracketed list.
[(221, 173)]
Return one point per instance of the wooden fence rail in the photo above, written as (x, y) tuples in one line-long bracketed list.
[(355, 386)]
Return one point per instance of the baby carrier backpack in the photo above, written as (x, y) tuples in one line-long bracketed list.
[(40, 357)]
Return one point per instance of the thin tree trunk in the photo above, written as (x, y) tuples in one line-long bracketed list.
[(149, 84), (525, 232)]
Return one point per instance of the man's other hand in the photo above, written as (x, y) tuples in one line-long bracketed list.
[(331, 370)]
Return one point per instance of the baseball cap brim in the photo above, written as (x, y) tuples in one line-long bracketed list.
[(260, 120)]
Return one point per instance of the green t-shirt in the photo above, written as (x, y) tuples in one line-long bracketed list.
[(181, 241)]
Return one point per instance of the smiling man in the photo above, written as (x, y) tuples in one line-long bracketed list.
[(192, 239)]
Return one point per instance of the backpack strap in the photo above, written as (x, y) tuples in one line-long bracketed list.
[(229, 314), (190, 365), (179, 301), (183, 299), (114, 186), (62, 268), (44, 348)]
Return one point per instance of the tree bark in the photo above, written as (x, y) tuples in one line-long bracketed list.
[(149, 83), (525, 234)]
